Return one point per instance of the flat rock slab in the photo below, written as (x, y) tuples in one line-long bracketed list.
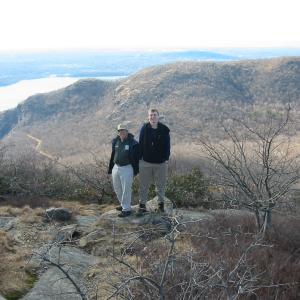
[(149, 218), (53, 284), (184, 215), (154, 218)]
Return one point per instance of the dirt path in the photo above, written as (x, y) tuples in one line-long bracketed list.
[(38, 147)]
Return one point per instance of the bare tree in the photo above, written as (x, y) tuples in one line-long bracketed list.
[(154, 288), (256, 163), (3, 170)]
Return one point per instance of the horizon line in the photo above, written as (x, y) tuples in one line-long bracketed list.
[(146, 49)]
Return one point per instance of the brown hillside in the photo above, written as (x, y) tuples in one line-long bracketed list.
[(191, 96)]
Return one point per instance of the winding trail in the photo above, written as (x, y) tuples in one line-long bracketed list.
[(38, 147)]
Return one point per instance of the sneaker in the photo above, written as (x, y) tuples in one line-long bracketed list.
[(119, 208), (142, 210), (124, 214), (161, 207)]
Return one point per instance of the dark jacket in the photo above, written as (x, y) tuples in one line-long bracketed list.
[(155, 148), (133, 154)]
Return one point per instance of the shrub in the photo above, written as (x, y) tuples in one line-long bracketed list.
[(4, 185), (32, 176), (189, 190)]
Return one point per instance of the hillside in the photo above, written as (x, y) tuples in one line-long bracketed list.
[(191, 96)]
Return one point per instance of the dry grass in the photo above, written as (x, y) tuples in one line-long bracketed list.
[(8, 211), (6, 242), (26, 214), (31, 216), (13, 278)]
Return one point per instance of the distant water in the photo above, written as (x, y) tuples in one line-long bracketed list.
[(12, 95)]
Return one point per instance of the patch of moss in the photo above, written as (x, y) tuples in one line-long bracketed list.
[(30, 280), (14, 295)]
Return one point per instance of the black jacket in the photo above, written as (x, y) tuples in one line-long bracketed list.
[(133, 154), (155, 149)]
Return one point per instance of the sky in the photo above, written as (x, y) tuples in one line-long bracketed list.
[(152, 24)]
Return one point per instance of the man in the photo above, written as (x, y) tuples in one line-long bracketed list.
[(154, 154), (123, 165)]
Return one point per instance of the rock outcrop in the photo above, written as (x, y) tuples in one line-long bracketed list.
[(64, 278)]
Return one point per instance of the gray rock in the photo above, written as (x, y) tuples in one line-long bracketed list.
[(6, 223), (85, 223), (1, 298), (57, 214), (67, 233), (182, 215), (185, 215), (152, 205), (53, 284), (154, 218), (160, 221), (92, 237)]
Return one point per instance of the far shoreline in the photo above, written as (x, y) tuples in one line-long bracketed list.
[(12, 95)]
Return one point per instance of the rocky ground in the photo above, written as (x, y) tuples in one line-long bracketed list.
[(75, 258)]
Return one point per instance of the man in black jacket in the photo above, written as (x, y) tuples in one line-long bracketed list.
[(154, 154), (123, 165)]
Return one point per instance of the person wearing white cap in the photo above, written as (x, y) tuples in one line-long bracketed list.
[(124, 165)]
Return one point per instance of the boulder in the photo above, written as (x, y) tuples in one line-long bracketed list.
[(57, 214)]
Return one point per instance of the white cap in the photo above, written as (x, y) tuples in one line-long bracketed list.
[(122, 127)]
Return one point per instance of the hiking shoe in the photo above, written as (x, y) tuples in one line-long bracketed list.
[(119, 208), (142, 210), (124, 214), (161, 207)]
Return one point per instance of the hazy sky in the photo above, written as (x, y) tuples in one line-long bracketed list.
[(151, 24)]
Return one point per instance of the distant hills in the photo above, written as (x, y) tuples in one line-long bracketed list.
[(192, 96), (81, 64), (18, 67)]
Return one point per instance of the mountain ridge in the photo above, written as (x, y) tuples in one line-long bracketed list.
[(190, 95)]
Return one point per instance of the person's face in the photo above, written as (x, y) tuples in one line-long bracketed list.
[(123, 134), (153, 118)]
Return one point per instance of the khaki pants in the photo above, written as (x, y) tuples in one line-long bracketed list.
[(152, 173)]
